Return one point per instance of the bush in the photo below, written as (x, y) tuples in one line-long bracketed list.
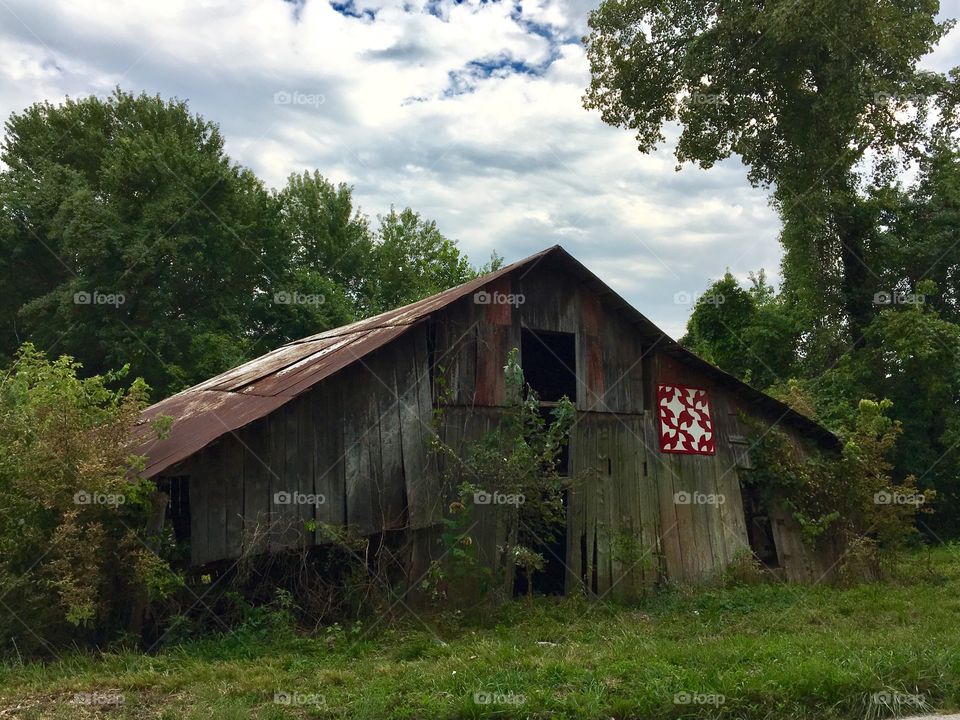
[(519, 457), (76, 564), (847, 501)]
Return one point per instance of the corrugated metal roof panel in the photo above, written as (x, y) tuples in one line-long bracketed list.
[(250, 391)]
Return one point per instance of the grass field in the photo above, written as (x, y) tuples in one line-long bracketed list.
[(758, 651)]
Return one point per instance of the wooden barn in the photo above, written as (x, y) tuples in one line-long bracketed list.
[(335, 429)]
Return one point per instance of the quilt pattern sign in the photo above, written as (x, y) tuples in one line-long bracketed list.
[(685, 423)]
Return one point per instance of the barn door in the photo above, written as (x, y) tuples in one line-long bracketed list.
[(612, 509)]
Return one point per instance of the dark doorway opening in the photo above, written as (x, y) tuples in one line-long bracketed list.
[(552, 579), (177, 490), (549, 362), (759, 528), (177, 515)]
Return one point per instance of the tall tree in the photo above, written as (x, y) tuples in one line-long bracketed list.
[(749, 333), (328, 235), (127, 236), (412, 259), (130, 237), (801, 90)]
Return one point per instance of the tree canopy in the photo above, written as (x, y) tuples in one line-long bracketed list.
[(800, 91), (826, 104), (128, 236)]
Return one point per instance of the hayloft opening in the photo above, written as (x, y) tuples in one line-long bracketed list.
[(549, 362)]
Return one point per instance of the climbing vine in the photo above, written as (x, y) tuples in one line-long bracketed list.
[(845, 499), (515, 464)]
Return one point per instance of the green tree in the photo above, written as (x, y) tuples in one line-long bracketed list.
[(75, 552), (749, 333), (328, 236), (412, 259), (128, 237), (801, 91)]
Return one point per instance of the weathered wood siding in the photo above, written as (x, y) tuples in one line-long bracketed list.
[(361, 440), (699, 538), (358, 440), (471, 340), (613, 520)]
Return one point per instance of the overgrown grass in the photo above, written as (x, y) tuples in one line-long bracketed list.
[(759, 651)]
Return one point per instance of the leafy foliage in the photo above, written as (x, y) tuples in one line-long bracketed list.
[(131, 197), (802, 103), (750, 333), (517, 459), (845, 500), (128, 236), (411, 259), (75, 556)]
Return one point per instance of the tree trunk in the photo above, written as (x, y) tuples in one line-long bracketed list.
[(858, 283)]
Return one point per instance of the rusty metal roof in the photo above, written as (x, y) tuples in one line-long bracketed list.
[(250, 391), (237, 397)]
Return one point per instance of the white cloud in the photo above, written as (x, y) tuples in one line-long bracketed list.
[(470, 113)]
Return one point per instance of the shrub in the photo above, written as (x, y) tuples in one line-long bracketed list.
[(847, 501), (518, 458), (75, 559)]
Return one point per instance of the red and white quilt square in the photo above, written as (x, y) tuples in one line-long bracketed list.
[(685, 422)]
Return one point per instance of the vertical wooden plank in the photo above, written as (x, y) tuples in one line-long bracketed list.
[(279, 485), (413, 431), (648, 502), (673, 526), (327, 426), (590, 485), (293, 521), (372, 440), (234, 493), (571, 583), (604, 500), (305, 460), (491, 357), (257, 503), (394, 493), (460, 356), (199, 508), (431, 508), (631, 511), (705, 513), (498, 313), (792, 553), (590, 353), (356, 437), (637, 381), (733, 530), (216, 502), (617, 511)]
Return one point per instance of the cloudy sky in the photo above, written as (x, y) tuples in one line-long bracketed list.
[(470, 113)]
